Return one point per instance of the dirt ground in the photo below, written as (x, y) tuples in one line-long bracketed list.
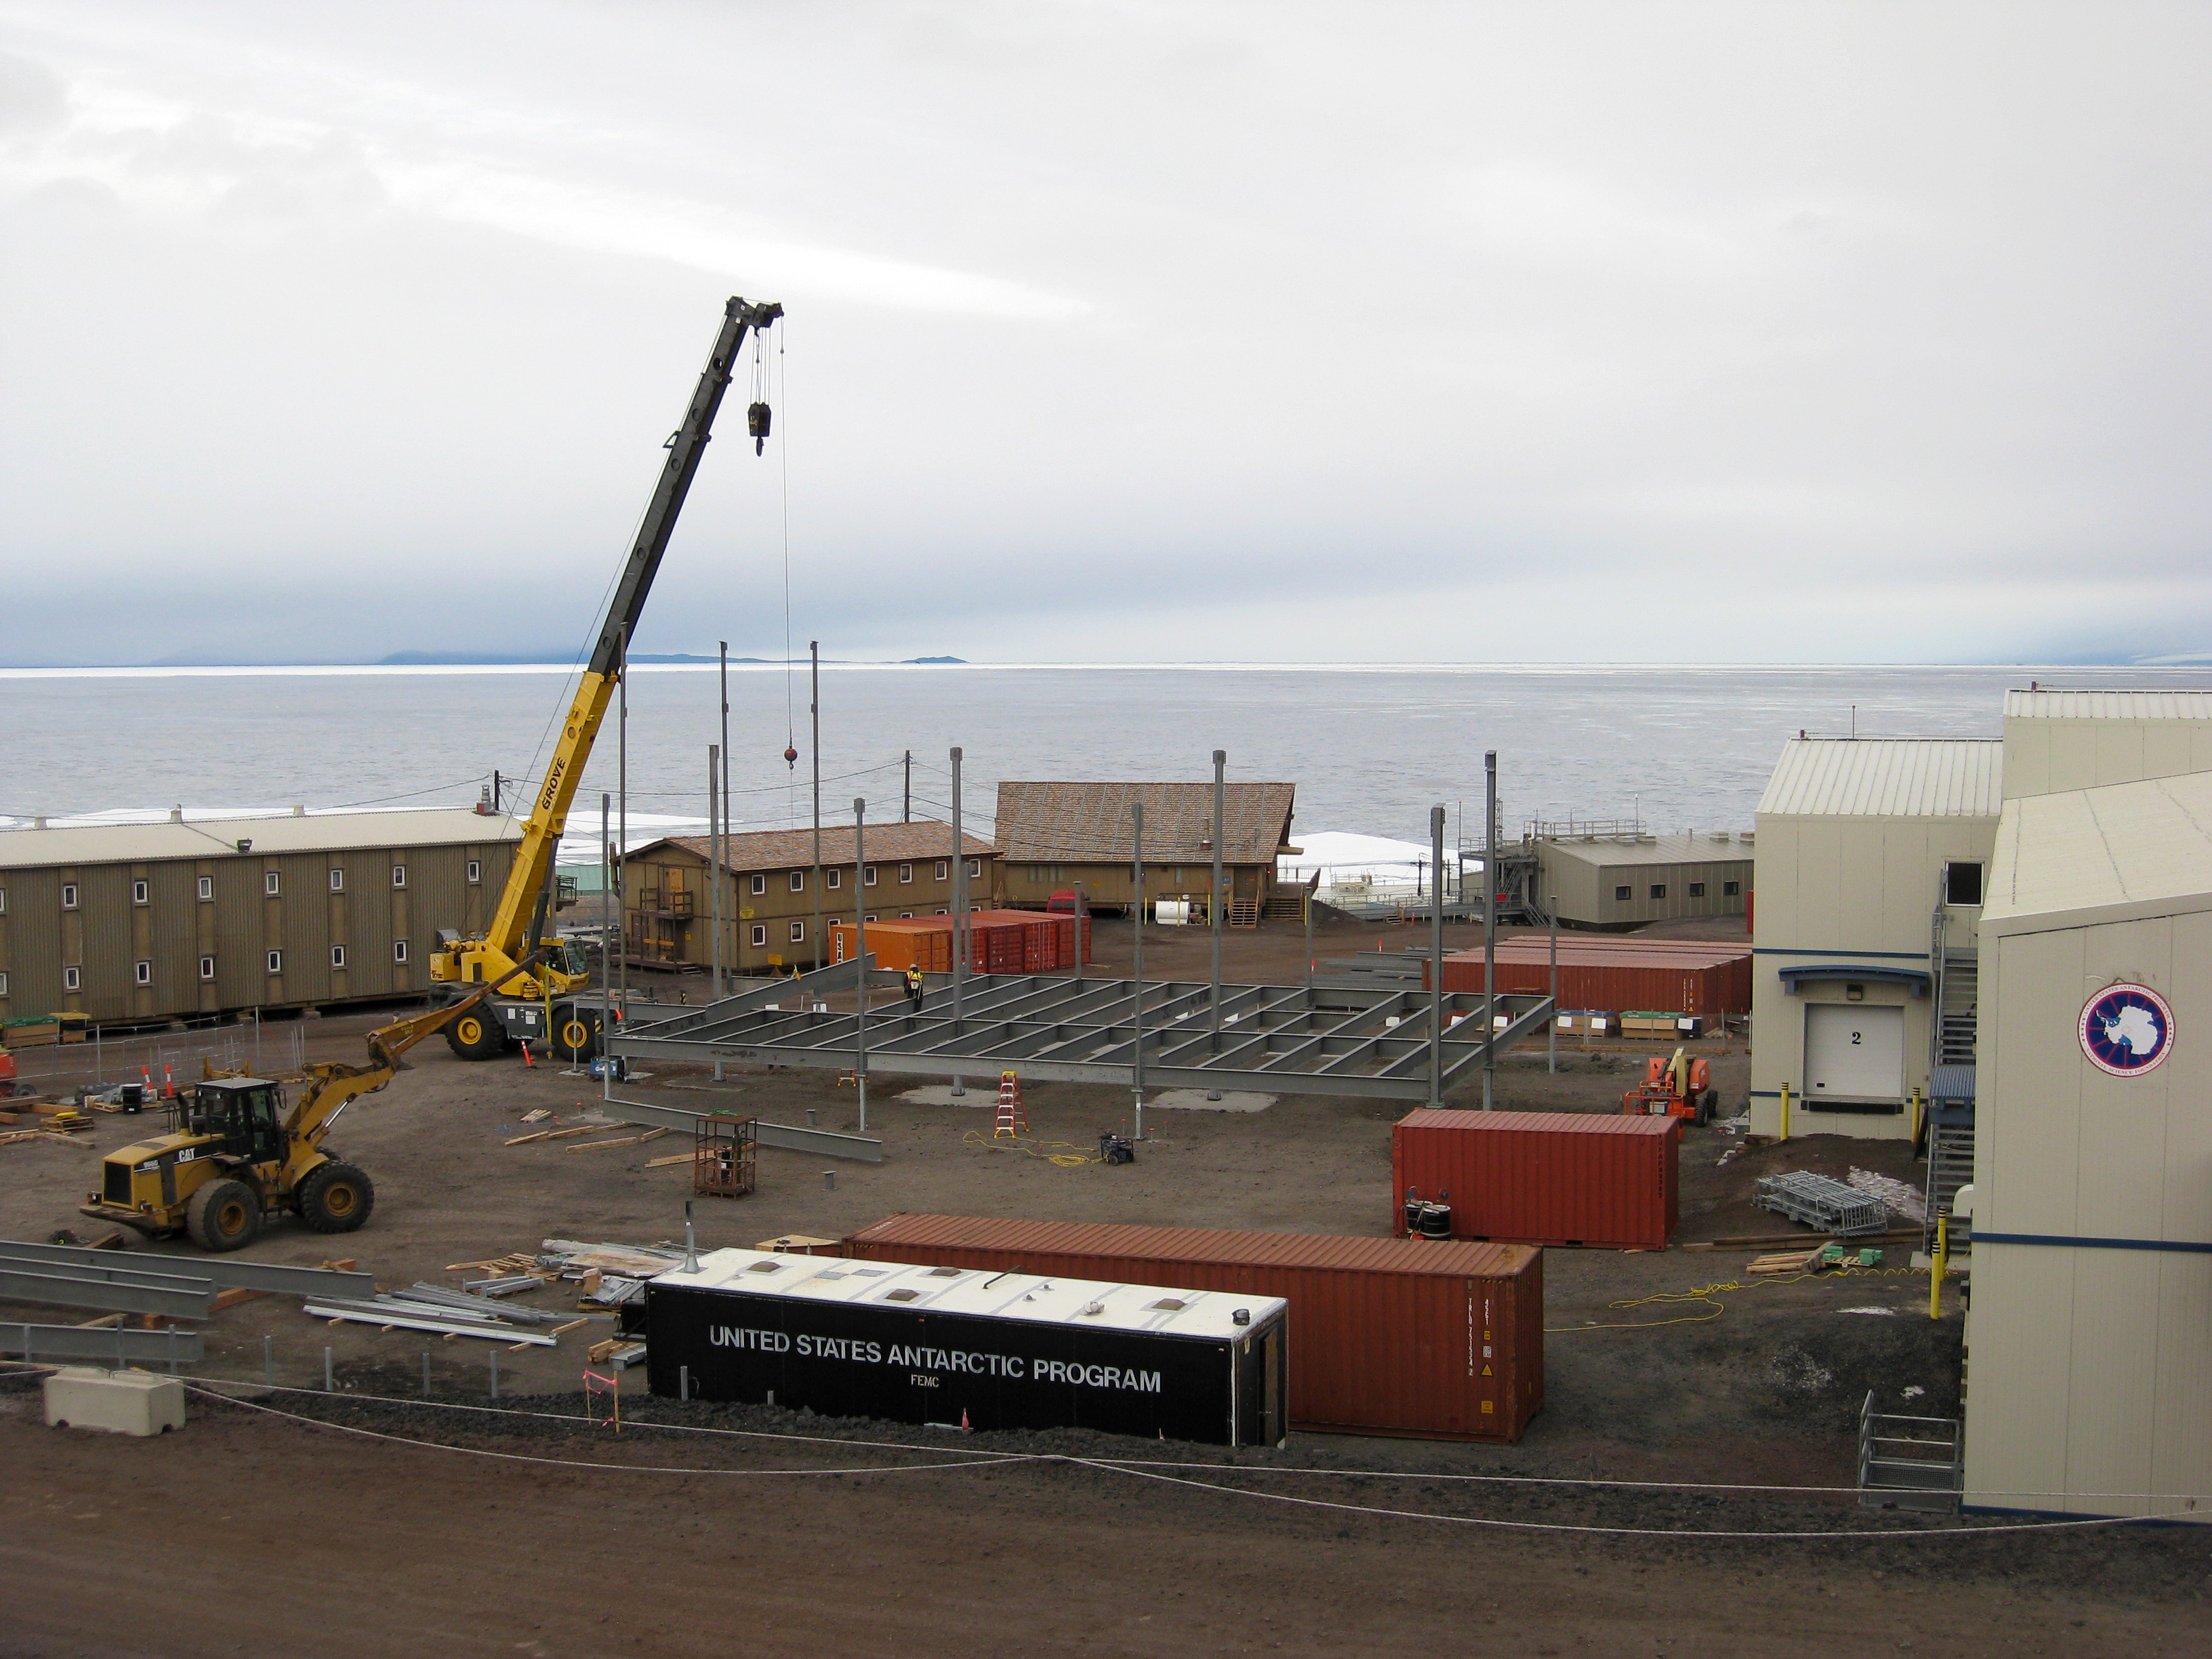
[(1753, 1382)]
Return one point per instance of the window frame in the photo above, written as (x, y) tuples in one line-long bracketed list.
[(337, 956), (975, 869), (399, 952), (142, 891), (944, 870), (798, 932), (272, 964), (4, 984), (337, 879), (1952, 869), (1697, 889), (906, 875), (398, 877), (1731, 889), (799, 881), (837, 875), (1658, 889), (1624, 895), (72, 977), (272, 884), (206, 890), (757, 884), (142, 971), (867, 875), (3, 901), (760, 936), (70, 895), (207, 970), (474, 872)]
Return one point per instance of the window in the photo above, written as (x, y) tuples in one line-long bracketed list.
[(799, 881), (837, 877), (1731, 889), (207, 966), (3, 985), (1962, 884), (476, 873), (207, 889), (798, 932), (940, 912), (142, 973), (275, 962), (140, 892), (760, 933), (1658, 889), (398, 875), (1620, 892), (72, 978), (906, 915), (759, 884), (944, 868), (337, 956), (868, 876), (3, 901), (872, 918), (272, 883), (975, 867), (399, 950), (337, 879), (69, 896), (906, 873), (1697, 889)]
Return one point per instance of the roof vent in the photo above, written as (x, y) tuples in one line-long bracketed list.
[(176, 815), (901, 1296), (1170, 1304), (765, 1267), (243, 846), (298, 810), (38, 822)]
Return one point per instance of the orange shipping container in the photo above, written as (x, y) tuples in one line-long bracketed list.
[(999, 942), (1687, 976), (897, 946), (1543, 1177), (1442, 1341)]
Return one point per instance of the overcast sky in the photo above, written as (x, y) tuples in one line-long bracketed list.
[(1748, 333)]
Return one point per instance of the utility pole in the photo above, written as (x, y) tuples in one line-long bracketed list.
[(814, 712), (606, 906), (714, 870), (959, 915), (906, 811), (861, 966), (1489, 929), (1437, 963), (721, 876), (1078, 930), (622, 812), (1215, 907), (1136, 941)]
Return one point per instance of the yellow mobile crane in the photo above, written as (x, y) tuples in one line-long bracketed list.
[(235, 1155), (549, 1004)]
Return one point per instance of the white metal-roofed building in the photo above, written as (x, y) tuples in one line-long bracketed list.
[(1871, 854), (1612, 882), (191, 918), (2058, 740), (2090, 1336)]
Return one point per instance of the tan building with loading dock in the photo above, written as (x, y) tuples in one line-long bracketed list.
[(192, 919)]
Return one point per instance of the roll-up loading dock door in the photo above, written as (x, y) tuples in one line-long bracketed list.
[(1854, 1052)]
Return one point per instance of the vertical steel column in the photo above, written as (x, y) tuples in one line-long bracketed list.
[(1489, 929), (1551, 1033), (959, 914), (814, 713), (860, 952), (1078, 930), (905, 807), (714, 872), (1137, 970), (1436, 962), (621, 819), (1215, 908)]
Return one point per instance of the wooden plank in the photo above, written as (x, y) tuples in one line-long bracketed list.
[(601, 1146), (562, 1330), (233, 1297), (675, 1157)]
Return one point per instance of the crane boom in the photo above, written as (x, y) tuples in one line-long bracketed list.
[(506, 940)]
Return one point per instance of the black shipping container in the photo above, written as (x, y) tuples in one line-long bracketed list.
[(920, 1344)]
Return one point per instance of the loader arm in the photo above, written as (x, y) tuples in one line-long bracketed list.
[(509, 934), (332, 1084)]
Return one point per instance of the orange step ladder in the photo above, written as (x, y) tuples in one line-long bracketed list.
[(1013, 1122)]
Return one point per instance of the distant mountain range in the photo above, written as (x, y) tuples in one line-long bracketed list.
[(550, 658)]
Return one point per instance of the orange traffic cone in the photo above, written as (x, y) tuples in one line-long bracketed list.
[(526, 1060), (965, 1427)]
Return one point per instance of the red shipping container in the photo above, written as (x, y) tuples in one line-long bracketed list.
[(999, 942), (1440, 1342), (1543, 1177), (1685, 976)]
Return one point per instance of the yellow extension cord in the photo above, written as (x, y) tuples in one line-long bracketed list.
[(1707, 1293), (1070, 1159)]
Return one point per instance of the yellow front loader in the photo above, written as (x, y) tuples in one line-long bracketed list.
[(236, 1155)]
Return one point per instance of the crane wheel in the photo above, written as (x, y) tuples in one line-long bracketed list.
[(223, 1215), (336, 1198), (477, 1035), (575, 1033)]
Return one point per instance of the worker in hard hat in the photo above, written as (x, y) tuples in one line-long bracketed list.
[(914, 987)]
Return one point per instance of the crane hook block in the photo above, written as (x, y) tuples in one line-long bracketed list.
[(757, 420), (791, 757)]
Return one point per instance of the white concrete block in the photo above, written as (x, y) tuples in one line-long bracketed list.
[(123, 1402)]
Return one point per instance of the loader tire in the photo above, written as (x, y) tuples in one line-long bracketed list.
[(575, 1034), (223, 1215), (336, 1198), (479, 1034)]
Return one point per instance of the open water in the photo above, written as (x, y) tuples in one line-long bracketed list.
[(1370, 748)]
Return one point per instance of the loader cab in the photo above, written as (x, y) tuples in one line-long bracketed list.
[(245, 1113)]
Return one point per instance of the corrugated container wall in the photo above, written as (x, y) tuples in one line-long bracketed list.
[(999, 942), (1713, 982), (1543, 1177), (1439, 1340)]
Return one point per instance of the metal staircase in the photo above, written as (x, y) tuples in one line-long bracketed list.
[(1950, 1166), (1910, 1462), (1957, 1008)]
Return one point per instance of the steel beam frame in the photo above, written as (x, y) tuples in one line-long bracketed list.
[(115, 1290), (221, 1273), (43, 1342), (1364, 1041)]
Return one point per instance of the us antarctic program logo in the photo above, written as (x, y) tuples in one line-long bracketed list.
[(2127, 1030)]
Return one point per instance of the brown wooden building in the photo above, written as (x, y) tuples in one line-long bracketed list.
[(768, 895), (143, 922), (1051, 836)]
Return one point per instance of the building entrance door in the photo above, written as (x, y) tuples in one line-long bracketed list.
[(1854, 1052)]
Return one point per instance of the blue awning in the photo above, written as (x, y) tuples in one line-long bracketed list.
[(1915, 980)]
